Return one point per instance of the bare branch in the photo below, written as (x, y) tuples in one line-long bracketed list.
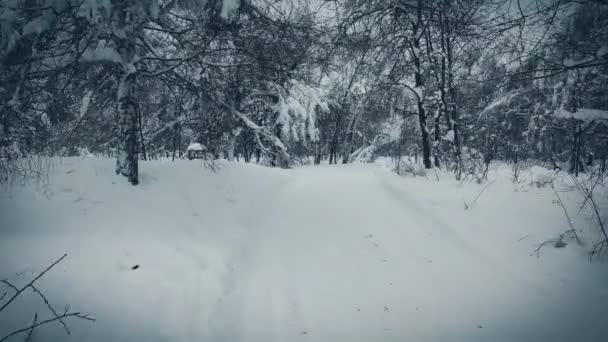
[(561, 203), (35, 325), (31, 282), (29, 334)]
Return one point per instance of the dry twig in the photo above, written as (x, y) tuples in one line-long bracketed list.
[(36, 323)]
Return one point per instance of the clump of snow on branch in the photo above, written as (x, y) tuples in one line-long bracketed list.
[(10, 33), (86, 101), (449, 136), (499, 102), (583, 114), (94, 10), (101, 53), (390, 132), (297, 109), (40, 24), (229, 8)]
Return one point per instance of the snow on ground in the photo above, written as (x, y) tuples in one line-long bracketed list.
[(326, 253)]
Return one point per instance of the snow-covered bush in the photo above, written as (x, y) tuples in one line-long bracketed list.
[(31, 169), (472, 165), (379, 146), (540, 176), (296, 112)]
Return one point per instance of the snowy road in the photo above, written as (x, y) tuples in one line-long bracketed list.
[(347, 254), (343, 253)]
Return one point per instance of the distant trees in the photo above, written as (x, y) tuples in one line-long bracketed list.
[(159, 74), (413, 50), (546, 101), (491, 80)]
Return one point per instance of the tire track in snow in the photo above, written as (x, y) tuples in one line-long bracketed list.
[(251, 302), (447, 233), (420, 214)]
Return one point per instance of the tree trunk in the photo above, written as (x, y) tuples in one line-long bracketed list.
[(141, 135), (426, 149), (174, 147), (230, 149), (437, 141), (451, 111), (126, 162), (349, 139), (575, 164), (127, 159), (333, 151)]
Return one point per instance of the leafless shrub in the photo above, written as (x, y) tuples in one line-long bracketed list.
[(473, 166), (406, 165), (517, 168), (55, 315), (587, 189), (31, 169)]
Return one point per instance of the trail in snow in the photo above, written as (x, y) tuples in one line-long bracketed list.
[(343, 254)]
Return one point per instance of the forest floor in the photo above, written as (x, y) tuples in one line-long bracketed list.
[(326, 253)]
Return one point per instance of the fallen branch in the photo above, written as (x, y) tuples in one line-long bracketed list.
[(557, 243), (537, 250)]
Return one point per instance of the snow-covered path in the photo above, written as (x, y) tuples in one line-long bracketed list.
[(343, 253), (347, 254)]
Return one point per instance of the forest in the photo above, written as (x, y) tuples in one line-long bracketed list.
[(453, 84), (293, 123)]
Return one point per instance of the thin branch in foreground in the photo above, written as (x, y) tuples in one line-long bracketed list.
[(561, 203), (538, 248), (65, 326), (35, 325), (589, 194), (31, 282), (29, 334), (9, 284), (598, 249), (12, 286)]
